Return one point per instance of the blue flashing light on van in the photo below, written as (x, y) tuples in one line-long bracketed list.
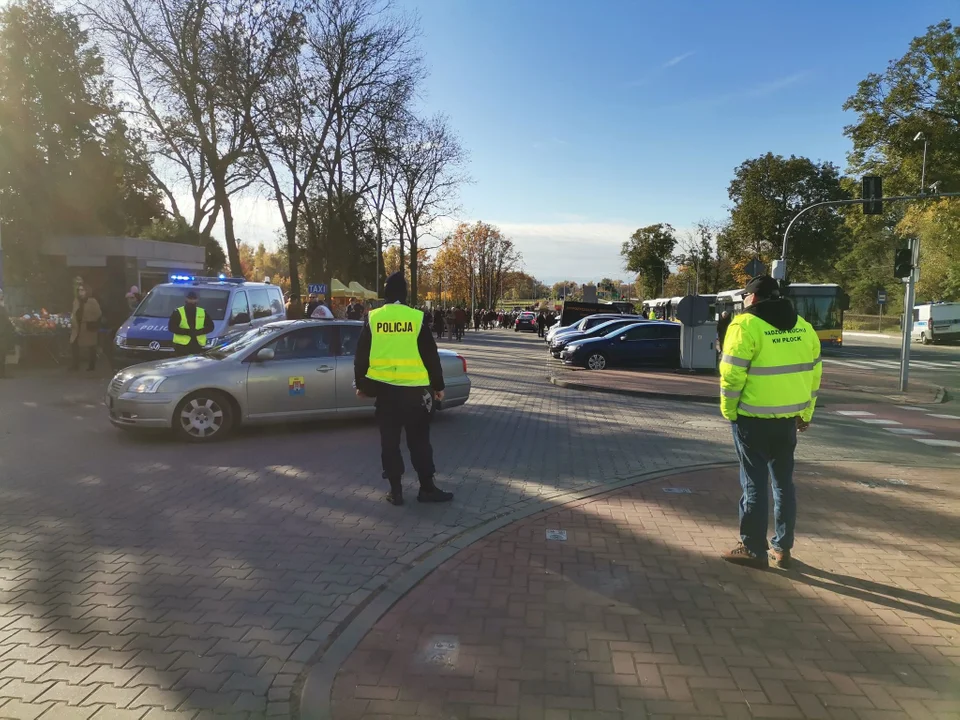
[(233, 304)]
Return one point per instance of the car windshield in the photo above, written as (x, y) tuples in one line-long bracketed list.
[(162, 301), (609, 327), (243, 342), (620, 330)]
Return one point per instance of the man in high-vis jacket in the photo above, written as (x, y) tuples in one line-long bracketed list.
[(398, 364), (190, 326), (769, 378)]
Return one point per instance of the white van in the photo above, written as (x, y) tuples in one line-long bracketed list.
[(936, 322)]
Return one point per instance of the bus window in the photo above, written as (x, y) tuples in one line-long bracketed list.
[(821, 311)]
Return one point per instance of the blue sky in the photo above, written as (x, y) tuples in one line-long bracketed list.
[(586, 120)]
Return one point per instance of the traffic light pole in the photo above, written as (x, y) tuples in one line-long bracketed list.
[(780, 273), (906, 332)]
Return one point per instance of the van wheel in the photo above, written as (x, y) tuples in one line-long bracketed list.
[(204, 416), (924, 340)]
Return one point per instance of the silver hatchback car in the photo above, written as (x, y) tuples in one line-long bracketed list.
[(281, 372)]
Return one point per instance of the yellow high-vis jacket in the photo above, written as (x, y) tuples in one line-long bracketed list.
[(770, 367)]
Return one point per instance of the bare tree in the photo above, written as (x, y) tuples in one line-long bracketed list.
[(428, 172), (181, 61)]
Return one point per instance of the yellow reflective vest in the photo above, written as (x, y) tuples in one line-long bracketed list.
[(185, 325), (769, 373), (394, 353)]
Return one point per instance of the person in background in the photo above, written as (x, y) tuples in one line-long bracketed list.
[(190, 326), (541, 323), (85, 333), (398, 364), (312, 303), (438, 323), (8, 337), (354, 310), (722, 324), (460, 322), (133, 298), (769, 379), (294, 308)]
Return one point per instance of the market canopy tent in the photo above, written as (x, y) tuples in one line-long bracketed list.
[(361, 292), (338, 289), (353, 290)]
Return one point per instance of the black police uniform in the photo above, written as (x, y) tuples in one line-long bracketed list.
[(403, 408)]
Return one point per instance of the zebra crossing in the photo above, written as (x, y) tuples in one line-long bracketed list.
[(867, 364)]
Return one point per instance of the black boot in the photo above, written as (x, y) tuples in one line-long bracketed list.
[(395, 496), (430, 493)]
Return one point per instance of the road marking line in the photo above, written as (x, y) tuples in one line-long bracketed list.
[(878, 421), (939, 443), (910, 407), (855, 413), (906, 431), (944, 417)]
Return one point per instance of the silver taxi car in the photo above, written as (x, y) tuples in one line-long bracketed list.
[(281, 372)]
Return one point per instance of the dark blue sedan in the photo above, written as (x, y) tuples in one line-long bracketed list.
[(562, 340), (649, 343)]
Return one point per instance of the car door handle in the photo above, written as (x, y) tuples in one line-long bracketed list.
[(324, 369)]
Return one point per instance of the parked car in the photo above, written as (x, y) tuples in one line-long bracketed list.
[(590, 322), (233, 305), (526, 322), (284, 371), (604, 328), (648, 343)]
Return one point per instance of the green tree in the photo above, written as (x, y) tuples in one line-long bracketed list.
[(767, 192), (918, 93), (68, 163), (648, 252)]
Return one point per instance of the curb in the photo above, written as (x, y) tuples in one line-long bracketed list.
[(940, 393), (554, 380), (314, 697)]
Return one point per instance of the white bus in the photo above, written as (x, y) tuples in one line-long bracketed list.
[(936, 322)]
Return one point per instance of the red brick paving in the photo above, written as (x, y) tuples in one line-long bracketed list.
[(635, 615)]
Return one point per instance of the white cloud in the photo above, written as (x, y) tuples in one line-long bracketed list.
[(677, 60)]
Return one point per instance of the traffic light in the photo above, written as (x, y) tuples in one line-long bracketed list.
[(903, 263), (872, 189)]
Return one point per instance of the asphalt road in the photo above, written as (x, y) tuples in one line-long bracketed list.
[(141, 576), (932, 364)]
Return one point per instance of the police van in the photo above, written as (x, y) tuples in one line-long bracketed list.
[(233, 304), (936, 322)]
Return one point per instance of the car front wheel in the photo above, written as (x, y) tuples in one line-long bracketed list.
[(924, 340), (203, 416), (597, 361)]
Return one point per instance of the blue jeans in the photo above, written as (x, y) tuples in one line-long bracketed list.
[(765, 448)]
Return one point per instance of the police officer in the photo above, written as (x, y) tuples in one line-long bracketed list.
[(769, 378), (397, 363), (190, 326)]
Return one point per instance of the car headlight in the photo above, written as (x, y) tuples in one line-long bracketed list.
[(213, 342), (120, 340), (146, 384)]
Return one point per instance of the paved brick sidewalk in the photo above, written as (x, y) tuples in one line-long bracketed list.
[(635, 616)]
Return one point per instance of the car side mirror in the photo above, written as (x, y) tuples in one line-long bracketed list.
[(241, 319), (265, 355)]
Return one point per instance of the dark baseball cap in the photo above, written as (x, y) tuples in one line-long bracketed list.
[(191, 295), (763, 286)]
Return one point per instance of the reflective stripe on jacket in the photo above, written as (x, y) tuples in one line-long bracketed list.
[(200, 321), (769, 373), (394, 353)]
